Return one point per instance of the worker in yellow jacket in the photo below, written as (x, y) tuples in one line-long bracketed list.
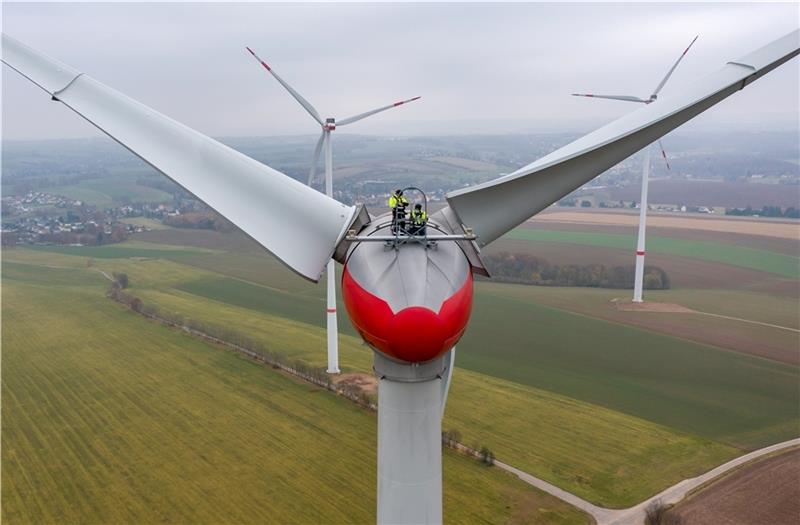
[(398, 203), (418, 220)]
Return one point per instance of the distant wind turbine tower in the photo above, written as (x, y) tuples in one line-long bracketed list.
[(640, 245), (328, 126)]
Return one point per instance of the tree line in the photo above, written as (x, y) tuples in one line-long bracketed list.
[(766, 211), (201, 220), (452, 439), (525, 268), (255, 349), (238, 341)]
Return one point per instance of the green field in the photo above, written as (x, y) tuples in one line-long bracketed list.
[(304, 308), (119, 251), (695, 388), (756, 306), (631, 447), (746, 257), (153, 224), (607, 411), (509, 415), (623, 368), (110, 418), (111, 191), (722, 396)]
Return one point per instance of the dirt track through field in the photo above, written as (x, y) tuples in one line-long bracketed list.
[(627, 306), (636, 514), (766, 228)]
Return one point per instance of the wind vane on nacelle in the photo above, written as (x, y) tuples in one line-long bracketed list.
[(425, 294)]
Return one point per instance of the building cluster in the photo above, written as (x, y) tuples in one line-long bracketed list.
[(40, 218), (18, 204)]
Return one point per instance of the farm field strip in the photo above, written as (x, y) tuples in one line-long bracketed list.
[(634, 371), (760, 242), (111, 418), (103, 193), (685, 274), (753, 338), (743, 256), (784, 229), (153, 224), (739, 319), (119, 251), (753, 306)]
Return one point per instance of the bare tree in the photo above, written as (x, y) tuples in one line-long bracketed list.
[(657, 513)]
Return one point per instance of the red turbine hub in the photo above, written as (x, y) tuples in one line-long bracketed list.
[(415, 333)]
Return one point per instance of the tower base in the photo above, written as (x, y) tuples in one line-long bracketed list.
[(409, 441)]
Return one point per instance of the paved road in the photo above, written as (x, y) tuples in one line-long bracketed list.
[(635, 515)]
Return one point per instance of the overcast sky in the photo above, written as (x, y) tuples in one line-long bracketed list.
[(480, 68)]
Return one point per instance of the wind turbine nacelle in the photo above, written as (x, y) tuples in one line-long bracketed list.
[(411, 303)]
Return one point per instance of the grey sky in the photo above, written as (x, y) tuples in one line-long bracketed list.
[(481, 68)]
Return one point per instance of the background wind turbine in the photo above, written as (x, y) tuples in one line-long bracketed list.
[(640, 244), (411, 305), (328, 126)]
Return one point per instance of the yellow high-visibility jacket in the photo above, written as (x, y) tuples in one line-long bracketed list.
[(395, 201), (419, 217)]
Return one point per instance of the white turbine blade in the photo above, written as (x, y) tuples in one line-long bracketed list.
[(669, 73), (495, 207), (626, 98), (356, 118), (297, 96), (663, 154), (312, 173), (298, 225)]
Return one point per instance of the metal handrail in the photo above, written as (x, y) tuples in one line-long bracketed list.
[(399, 238)]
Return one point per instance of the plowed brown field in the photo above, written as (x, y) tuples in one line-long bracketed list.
[(764, 492)]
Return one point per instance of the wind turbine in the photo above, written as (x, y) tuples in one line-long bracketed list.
[(640, 243), (328, 126), (411, 304)]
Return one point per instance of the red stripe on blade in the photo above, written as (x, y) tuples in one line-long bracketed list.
[(640, 252)]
